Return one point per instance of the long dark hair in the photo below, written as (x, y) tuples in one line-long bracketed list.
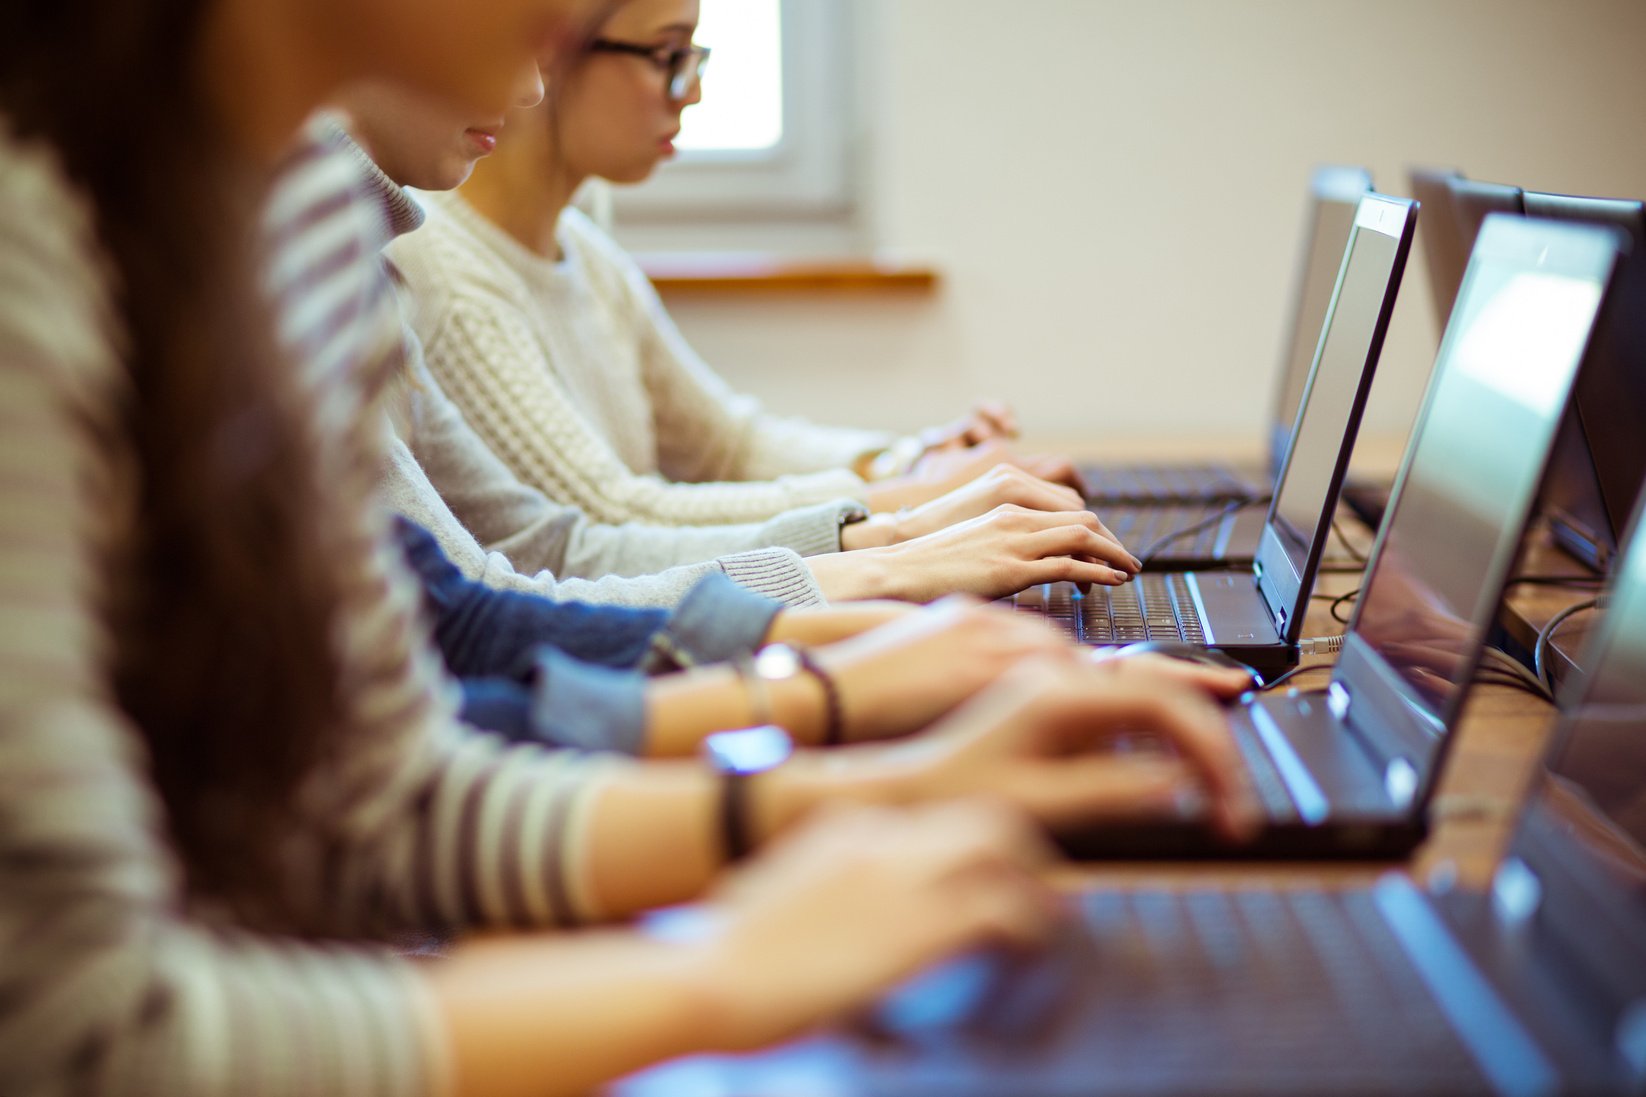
[(222, 615)]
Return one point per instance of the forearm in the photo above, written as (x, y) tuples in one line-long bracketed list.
[(541, 1017), (817, 627), (653, 835), (684, 709)]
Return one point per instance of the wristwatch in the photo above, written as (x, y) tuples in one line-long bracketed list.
[(738, 756), (780, 662)]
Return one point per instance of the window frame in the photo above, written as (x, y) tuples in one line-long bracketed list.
[(808, 175)]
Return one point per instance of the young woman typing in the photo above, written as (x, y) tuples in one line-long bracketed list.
[(556, 349), (231, 769)]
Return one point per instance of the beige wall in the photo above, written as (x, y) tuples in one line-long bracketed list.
[(1113, 190)]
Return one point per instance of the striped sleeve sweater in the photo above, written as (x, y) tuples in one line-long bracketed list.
[(115, 977), (572, 372)]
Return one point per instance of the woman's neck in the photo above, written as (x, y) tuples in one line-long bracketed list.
[(523, 191), (263, 74)]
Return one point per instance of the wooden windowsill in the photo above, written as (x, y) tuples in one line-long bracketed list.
[(757, 273)]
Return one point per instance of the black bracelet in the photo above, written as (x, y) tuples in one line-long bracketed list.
[(734, 816), (834, 728), (738, 756)]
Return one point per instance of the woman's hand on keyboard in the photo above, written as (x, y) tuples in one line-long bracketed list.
[(1219, 683), (942, 471), (998, 554), (898, 679), (1043, 738), (856, 900), (1003, 485)]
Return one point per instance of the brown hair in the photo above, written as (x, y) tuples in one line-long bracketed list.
[(222, 622)]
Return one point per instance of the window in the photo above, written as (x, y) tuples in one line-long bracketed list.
[(770, 138)]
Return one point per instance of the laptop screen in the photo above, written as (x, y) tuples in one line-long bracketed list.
[(1475, 463), (1356, 320), (1336, 192), (1599, 757)]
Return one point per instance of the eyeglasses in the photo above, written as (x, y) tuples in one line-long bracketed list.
[(683, 67)]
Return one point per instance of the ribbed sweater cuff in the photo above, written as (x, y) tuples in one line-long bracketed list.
[(777, 573), (811, 531)]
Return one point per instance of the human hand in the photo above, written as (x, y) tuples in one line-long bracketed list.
[(857, 900), (1036, 740), (941, 471), (988, 419), (1002, 485), (1219, 683), (998, 554), (899, 678)]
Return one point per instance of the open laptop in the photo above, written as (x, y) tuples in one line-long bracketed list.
[(1601, 461), (1349, 772), (1601, 456), (1257, 615), (1335, 193), (1532, 988)]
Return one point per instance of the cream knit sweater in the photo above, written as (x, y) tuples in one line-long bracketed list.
[(573, 374)]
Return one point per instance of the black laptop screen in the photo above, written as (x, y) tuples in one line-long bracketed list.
[(1319, 436), (1333, 219), (1500, 387)]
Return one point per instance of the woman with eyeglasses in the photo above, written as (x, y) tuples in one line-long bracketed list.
[(230, 773), (562, 358)]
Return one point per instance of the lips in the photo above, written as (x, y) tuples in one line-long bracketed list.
[(483, 141)]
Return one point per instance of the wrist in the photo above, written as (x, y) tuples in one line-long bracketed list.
[(877, 531), (867, 776), (857, 576)]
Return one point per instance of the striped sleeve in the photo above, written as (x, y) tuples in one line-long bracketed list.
[(427, 824), (108, 985)]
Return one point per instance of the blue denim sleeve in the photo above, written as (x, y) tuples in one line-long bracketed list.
[(566, 704), (487, 633), (718, 620)]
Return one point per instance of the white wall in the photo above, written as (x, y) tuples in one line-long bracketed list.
[(1113, 191)]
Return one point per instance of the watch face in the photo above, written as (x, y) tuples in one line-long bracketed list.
[(753, 750), (776, 662)]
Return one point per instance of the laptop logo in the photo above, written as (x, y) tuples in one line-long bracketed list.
[(1400, 781), (1517, 893)]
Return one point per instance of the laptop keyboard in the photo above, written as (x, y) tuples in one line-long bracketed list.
[(1267, 783), (1153, 606), (1310, 990), (1142, 528), (1163, 483), (1222, 993)]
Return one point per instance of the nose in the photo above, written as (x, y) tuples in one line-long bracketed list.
[(529, 91)]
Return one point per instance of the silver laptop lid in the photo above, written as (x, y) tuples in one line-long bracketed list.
[(1368, 281), (1335, 192), (1465, 493)]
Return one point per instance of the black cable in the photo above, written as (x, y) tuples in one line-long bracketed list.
[(1585, 581), (1343, 538), (1293, 673), (1231, 508), (1340, 601), (1546, 637)]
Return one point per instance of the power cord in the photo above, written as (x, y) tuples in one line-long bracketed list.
[(1355, 554), (1293, 673), (1546, 638), (1231, 508)]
